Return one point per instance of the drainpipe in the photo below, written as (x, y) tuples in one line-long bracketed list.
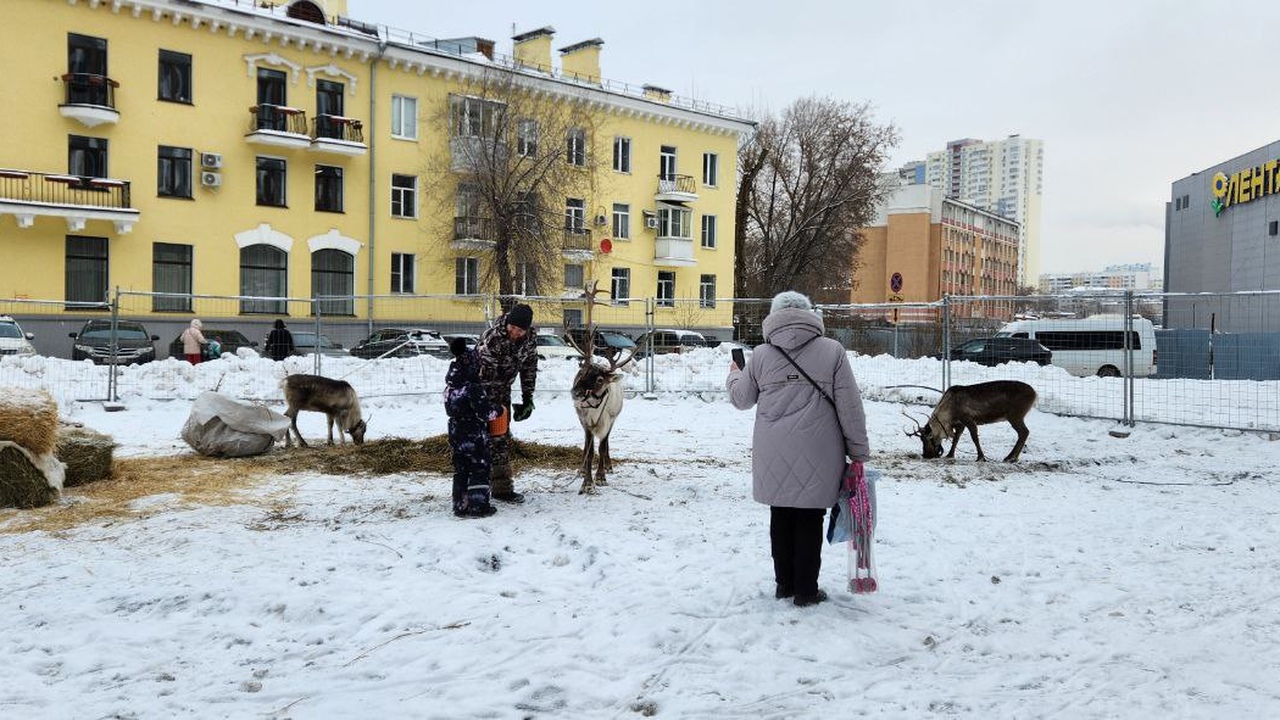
[(373, 174)]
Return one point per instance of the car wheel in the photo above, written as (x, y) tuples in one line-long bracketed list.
[(1108, 371)]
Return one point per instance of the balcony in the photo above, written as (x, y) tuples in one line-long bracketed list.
[(89, 99), (473, 233), (577, 244), (676, 188), (74, 198), (673, 252), (278, 126), (338, 135)]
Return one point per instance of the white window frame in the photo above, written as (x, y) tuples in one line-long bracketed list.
[(622, 155), (406, 196), (674, 222), (402, 273), (707, 291), (621, 221), (404, 117), (466, 276), (668, 159), (666, 292), (575, 269), (576, 147), (575, 215), (710, 169), (526, 279), (710, 227), (620, 285), (527, 131)]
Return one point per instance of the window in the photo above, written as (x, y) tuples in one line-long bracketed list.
[(87, 65), (526, 279), (263, 274), (272, 86), (667, 163), (174, 172), (666, 288), (622, 154), (87, 156), (404, 196), (621, 286), (175, 77), (674, 222), (404, 117), (473, 117), (466, 276), (621, 221), (710, 169), (469, 223), (707, 291), (401, 272), (527, 138), (576, 149), (708, 231), (86, 270), (328, 188), (330, 122), (333, 277), (574, 277), (171, 273), (271, 179), (575, 215)]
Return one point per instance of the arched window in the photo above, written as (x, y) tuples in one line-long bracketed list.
[(264, 272), (333, 277), (306, 10)]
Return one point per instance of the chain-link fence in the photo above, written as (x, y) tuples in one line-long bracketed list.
[(1125, 356)]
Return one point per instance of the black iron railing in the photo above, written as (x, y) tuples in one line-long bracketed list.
[(52, 189), (278, 118), (337, 127), (676, 184), (473, 228), (90, 89)]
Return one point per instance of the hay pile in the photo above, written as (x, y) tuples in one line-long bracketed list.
[(30, 476), (86, 453), (399, 455)]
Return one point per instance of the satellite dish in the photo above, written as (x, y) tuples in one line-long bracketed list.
[(606, 246)]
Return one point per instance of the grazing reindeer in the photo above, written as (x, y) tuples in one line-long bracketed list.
[(968, 406), (335, 398), (597, 398)]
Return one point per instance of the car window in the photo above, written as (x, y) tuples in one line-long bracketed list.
[(9, 330)]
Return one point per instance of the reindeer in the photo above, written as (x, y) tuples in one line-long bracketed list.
[(597, 398), (968, 406), (335, 398)]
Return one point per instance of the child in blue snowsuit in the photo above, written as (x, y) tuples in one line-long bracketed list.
[(470, 411)]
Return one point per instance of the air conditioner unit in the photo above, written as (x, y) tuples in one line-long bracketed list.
[(208, 178), (213, 161), (601, 220), (651, 222)]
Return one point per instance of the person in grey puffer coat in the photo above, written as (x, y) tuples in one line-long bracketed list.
[(798, 448)]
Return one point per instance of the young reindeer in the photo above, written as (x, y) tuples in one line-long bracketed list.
[(597, 398), (335, 398), (968, 406)]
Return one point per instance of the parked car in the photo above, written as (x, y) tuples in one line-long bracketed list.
[(304, 343), (998, 350), (402, 342), (670, 341), (555, 348), (607, 343), (133, 343), (13, 341), (230, 340)]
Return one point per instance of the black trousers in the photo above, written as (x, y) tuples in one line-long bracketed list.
[(796, 536)]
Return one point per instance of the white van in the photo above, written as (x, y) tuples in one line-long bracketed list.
[(1093, 345)]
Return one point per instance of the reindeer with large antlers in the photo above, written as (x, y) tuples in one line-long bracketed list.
[(597, 397)]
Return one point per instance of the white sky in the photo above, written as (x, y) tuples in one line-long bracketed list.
[(1128, 96), (1099, 577)]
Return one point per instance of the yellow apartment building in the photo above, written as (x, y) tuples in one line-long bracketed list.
[(924, 245), (270, 150)]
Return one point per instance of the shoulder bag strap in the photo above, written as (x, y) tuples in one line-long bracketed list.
[(816, 386)]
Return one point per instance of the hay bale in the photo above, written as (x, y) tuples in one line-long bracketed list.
[(29, 418), (22, 483), (87, 454)]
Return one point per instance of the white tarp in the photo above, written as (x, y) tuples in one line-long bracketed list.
[(222, 427)]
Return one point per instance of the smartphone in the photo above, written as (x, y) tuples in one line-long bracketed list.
[(739, 358)]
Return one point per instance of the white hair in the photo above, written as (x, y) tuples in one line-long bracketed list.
[(790, 299)]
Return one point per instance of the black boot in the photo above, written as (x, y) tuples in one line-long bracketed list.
[(510, 497)]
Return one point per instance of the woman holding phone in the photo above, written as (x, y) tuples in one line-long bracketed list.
[(800, 442)]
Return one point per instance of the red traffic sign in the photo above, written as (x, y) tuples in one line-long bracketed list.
[(895, 282), (606, 246)]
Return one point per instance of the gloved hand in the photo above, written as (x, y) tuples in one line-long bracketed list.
[(523, 410)]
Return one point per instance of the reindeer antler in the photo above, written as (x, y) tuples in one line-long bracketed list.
[(919, 427)]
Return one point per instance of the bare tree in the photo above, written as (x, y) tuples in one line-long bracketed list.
[(809, 180), (522, 157)]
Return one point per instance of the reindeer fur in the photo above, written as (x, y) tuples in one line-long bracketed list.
[(335, 398)]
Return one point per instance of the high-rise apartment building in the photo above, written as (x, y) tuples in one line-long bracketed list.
[(1005, 177)]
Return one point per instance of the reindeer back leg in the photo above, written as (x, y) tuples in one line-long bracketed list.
[(588, 454), (605, 463), (1023, 433)]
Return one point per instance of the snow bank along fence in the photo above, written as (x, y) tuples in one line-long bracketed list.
[(1216, 355)]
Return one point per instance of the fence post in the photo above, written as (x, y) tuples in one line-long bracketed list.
[(1129, 380), (317, 363), (650, 311), (946, 342), (114, 345)]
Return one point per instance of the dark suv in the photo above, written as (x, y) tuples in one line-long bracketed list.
[(133, 343), (230, 340), (997, 350)]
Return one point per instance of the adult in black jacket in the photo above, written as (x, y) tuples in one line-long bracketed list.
[(280, 342)]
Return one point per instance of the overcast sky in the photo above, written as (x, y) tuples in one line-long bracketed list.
[(1128, 95)]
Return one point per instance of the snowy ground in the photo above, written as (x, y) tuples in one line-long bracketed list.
[(1100, 577)]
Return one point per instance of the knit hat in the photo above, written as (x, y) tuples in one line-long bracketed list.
[(458, 346), (790, 299), (521, 316), (279, 324)]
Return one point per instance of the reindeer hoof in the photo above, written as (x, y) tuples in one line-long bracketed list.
[(587, 490)]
